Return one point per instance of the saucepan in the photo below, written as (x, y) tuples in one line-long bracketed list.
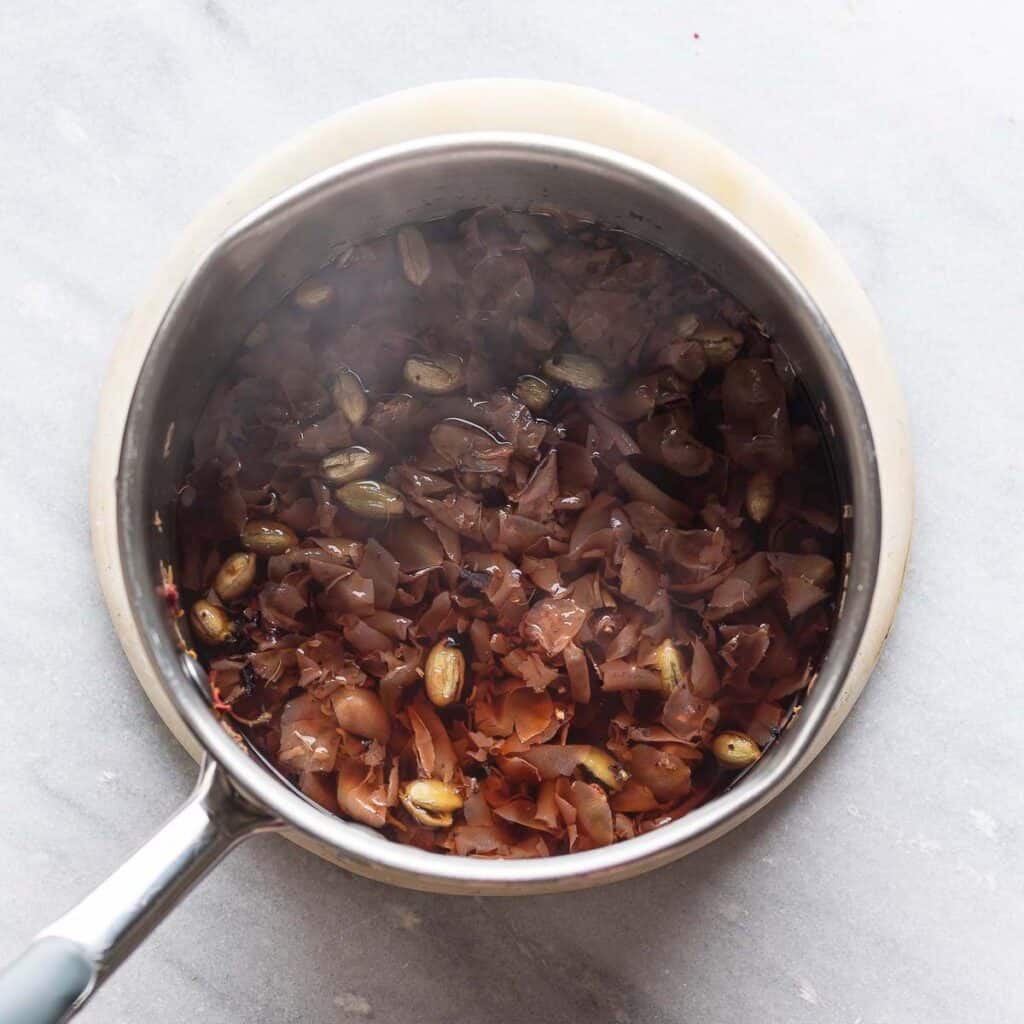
[(278, 226)]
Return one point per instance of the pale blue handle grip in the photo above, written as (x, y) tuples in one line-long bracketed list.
[(45, 983), (71, 958)]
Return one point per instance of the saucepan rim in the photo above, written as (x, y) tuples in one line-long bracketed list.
[(371, 854)]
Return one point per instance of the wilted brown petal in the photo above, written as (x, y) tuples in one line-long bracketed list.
[(634, 798), (691, 718), (667, 776), (309, 741), (362, 793), (704, 680), (537, 499), (639, 578), (466, 446), (553, 622), (434, 749), (743, 651), (625, 675), (360, 711), (530, 667), (378, 566), (579, 673), (610, 326), (512, 421), (320, 788), (624, 642), (593, 815)]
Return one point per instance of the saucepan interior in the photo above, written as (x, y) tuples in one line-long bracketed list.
[(273, 248)]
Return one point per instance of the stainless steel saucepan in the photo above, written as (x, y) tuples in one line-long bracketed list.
[(241, 276)]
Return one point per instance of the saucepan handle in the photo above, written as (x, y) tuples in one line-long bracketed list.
[(68, 961)]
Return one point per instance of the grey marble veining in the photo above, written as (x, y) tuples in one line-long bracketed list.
[(886, 886)]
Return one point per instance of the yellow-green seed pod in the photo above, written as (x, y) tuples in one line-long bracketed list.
[(267, 538), (371, 499), (353, 463), (735, 750), (444, 673), (211, 624), (235, 576), (349, 396), (431, 802), (604, 768), (580, 372), (434, 375)]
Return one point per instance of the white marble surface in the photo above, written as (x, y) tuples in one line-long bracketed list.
[(886, 886)]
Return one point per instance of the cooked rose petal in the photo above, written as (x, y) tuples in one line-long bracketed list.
[(281, 605), (613, 440), (642, 489), (364, 638), (749, 583), (309, 740), (460, 512), (576, 469), (766, 723), (517, 533), (661, 624), (656, 734), (648, 522), (790, 684), (505, 590), (691, 718), (479, 840), (544, 573), (512, 421), (623, 643), (697, 553), (403, 668), (433, 619), (684, 454), (516, 770), (554, 760), (348, 593), (608, 325), (704, 680), (799, 595), (639, 578), (390, 624), (588, 593), (320, 788), (522, 812), (553, 622), (362, 793), (579, 673), (531, 712), (596, 517), (625, 675), (546, 809), (743, 651), (360, 711), (536, 500), (450, 540), (530, 667), (434, 749), (634, 798), (466, 446), (664, 774), (812, 568), (593, 815), (381, 568), (477, 811)]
